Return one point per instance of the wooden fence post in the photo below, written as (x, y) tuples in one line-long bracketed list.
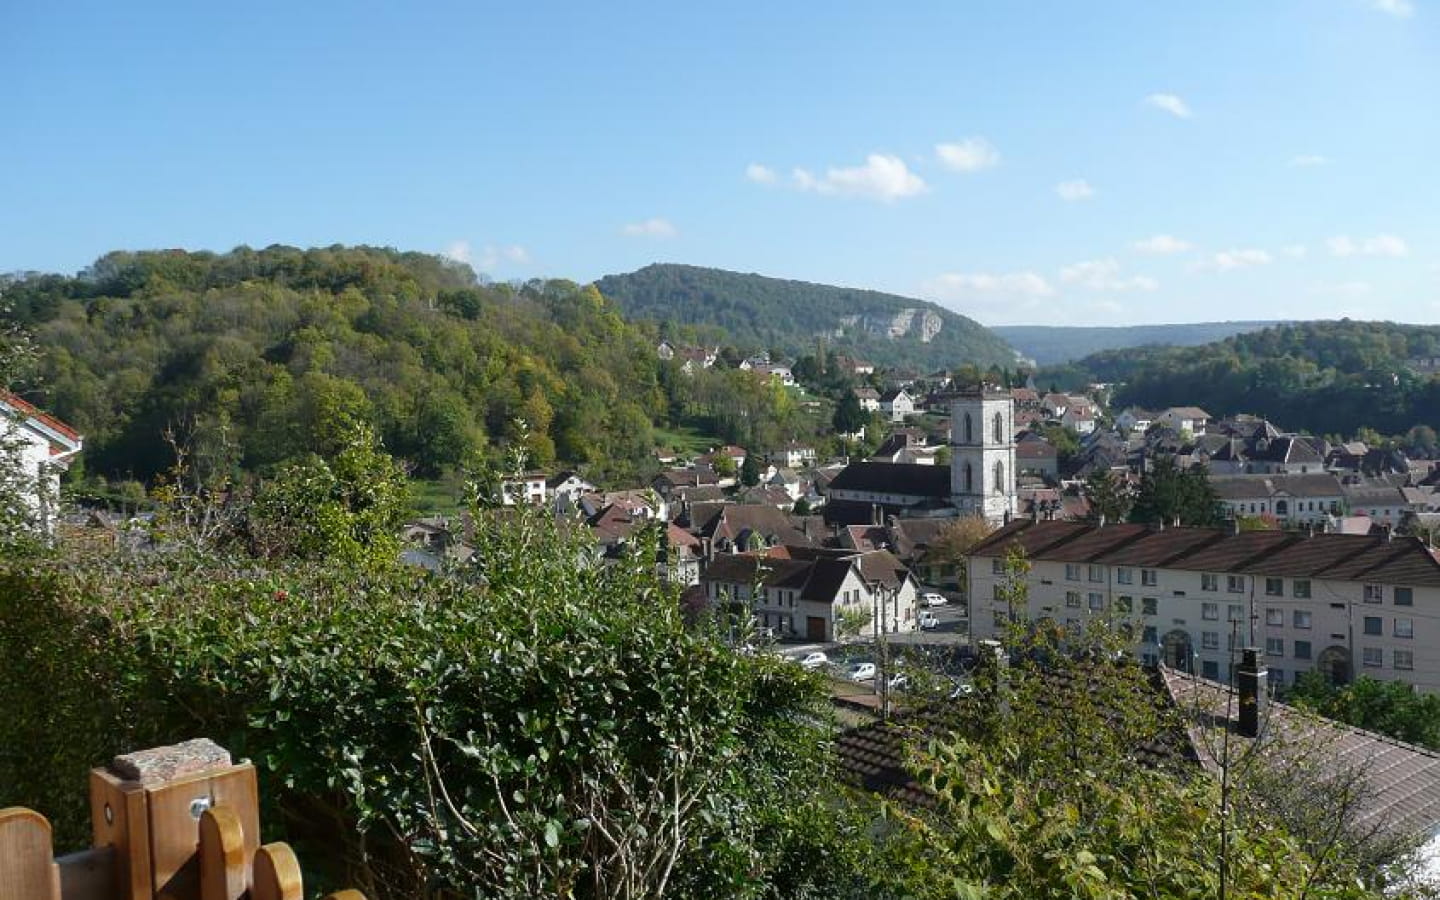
[(172, 823), (27, 863)]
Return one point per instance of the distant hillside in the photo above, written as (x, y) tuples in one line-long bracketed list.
[(758, 312), (260, 356), (1050, 344), (1324, 377)]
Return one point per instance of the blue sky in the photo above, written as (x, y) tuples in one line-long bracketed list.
[(1020, 162)]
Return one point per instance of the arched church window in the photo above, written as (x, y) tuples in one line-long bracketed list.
[(969, 479), (969, 430), (999, 429), (999, 477)]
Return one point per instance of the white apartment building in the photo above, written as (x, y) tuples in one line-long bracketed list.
[(1344, 604)]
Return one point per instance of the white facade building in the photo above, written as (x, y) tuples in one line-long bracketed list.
[(1343, 604), (982, 455), (40, 447)]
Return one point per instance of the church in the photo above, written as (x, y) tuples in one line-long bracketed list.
[(980, 480)]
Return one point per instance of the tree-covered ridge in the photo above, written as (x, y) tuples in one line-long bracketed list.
[(1051, 344), (787, 315), (256, 356), (1323, 377)]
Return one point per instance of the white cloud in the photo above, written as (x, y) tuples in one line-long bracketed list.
[(1379, 245), (1400, 9), (1294, 251), (881, 177), (489, 257), (1169, 103), (1309, 159), (458, 251), (653, 228), (1076, 189), (1162, 244), (492, 256), (960, 286), (761, 174), (1226, 260), (1104, 275), (970, 155)]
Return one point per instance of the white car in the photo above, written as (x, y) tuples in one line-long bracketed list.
[(928, 621), (862, 672), (814, 660), (962, 689), (930, 599), (899, 681)]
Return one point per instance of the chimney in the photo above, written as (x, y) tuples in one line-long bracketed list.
[(1252, 679), (996, 664)]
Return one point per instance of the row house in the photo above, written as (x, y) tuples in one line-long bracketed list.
[(807, 592), (1192, 597), (1297, 499)]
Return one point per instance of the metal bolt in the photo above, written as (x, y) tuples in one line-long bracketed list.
[(198, 806)]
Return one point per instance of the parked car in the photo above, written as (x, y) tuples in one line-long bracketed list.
[(899, 681), (931, 599), (814, 660), (928, 621), (962, 689), (864, 671)]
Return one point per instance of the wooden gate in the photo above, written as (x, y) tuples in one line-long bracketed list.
[(173, 823)]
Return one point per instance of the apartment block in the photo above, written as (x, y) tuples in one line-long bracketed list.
[(1192, 597)]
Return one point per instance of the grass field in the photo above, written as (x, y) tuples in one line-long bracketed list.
[(688, 440), (436, 498)]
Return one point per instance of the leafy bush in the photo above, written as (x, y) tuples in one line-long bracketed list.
[(541, 726)]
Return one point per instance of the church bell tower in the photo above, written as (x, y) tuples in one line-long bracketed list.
[(982, 454)]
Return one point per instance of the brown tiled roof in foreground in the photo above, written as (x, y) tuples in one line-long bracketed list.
[(1402, 780), (1342, 557)]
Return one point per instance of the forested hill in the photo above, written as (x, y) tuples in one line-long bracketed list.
[(1324, 377), (791, 316), (1050, 344), (255, 356)]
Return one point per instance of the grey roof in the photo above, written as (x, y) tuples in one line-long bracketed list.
[(1263, 487), (1402, 780), (1341, 557), (1371, 492), (905, 479), (1288, 449)]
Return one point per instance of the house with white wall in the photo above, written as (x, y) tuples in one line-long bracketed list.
[(35, 448), (897, 404), (805, 591), (1185, 418)]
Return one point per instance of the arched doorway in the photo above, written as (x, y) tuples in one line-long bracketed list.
[(1334, 664), (1176, 651)]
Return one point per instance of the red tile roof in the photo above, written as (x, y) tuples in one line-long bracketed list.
[(1342, 557), (29, 411)]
